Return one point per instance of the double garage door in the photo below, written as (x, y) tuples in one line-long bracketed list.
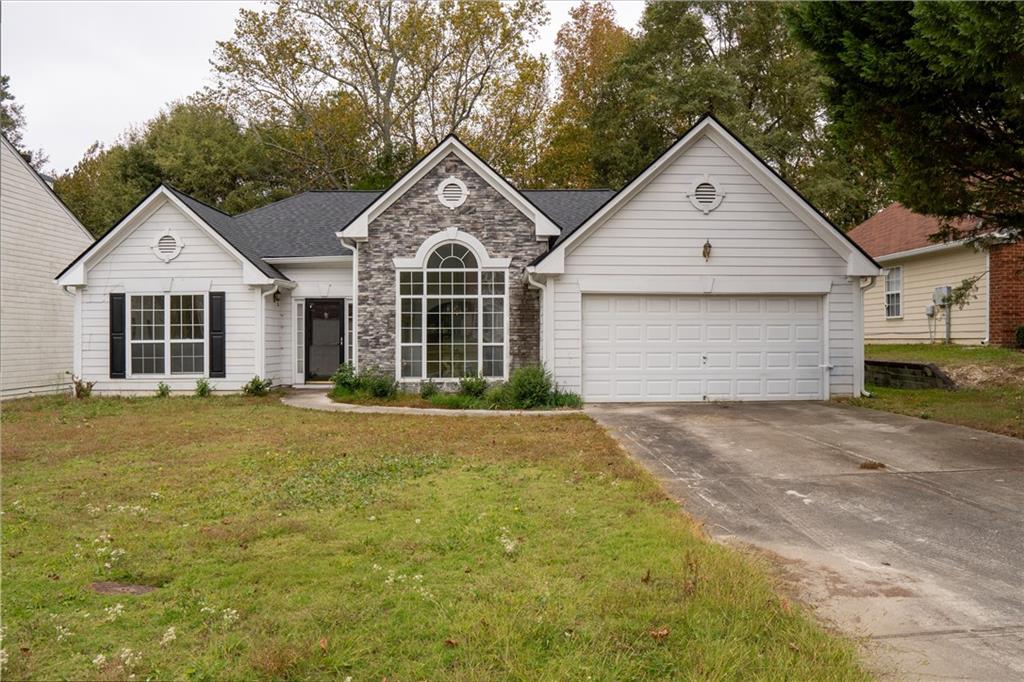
[(686, 348)]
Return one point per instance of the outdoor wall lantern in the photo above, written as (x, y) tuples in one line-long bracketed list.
[(707, 250)]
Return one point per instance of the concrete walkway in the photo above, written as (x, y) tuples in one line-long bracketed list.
[(314, 400), (924, 557)]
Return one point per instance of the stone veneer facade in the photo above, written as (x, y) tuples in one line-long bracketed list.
[(418, 214)]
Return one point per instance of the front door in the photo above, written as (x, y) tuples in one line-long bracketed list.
[(325, 338)]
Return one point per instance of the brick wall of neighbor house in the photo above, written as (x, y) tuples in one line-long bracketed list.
[(417, 214), (1006, 293)]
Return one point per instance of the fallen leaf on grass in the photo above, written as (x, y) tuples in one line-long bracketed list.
[(451, 642), (647, 578), (659, 633), (794, 647), (323, 645)]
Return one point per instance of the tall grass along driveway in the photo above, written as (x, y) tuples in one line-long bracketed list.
[(281, 543)]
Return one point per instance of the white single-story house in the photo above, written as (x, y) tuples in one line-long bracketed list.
[(902, 308), (38, 236), (705, 278)]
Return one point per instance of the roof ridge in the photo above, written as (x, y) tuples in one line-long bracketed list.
[(198, 201), (570, 189)]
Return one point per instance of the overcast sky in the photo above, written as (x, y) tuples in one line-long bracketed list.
[(86, 71)]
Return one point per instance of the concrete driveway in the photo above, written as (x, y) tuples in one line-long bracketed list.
[(924, 557)]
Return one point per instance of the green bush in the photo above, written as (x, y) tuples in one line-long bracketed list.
[(474, 386), (456, 401), (345, 379), (529, 387), (428, 389), (376, 383), (565, 399), (203, 388), (1020, 336), (257, 386), (162, 390), (497, 397)]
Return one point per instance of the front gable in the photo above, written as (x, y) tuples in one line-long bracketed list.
[(451, 150), (708, 188), (134, 244)]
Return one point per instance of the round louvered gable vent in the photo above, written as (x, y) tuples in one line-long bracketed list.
[(167, 247), (706, 195), (452, 192)]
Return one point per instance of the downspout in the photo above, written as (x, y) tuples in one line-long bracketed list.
[(261, 369), (546, 330), (353, 246), (871, 281)]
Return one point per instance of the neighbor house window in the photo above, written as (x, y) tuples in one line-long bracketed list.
[(452, 318), (894, 292), (168, 331)]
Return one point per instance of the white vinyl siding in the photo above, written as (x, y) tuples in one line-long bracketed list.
[(201, 267), (277, 328), (38, 238), (658, 235), (920, 276)]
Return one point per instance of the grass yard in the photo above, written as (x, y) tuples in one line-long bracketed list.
[(286, 543), (991, 381)]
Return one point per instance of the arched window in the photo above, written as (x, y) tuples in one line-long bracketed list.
[(452, 320)]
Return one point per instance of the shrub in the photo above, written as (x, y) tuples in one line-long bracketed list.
[(1020, 336), (474, 386), (529, 387), (203, 388), (497, 397), (429, 389), (565, 399), (345, 378), (456, 401), (162, 390), (80, 388), (257, 386), (376, 383)]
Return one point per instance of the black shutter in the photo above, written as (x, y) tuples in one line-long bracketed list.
[(217, 364), (117, 350)]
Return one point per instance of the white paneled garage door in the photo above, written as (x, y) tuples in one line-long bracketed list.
[(675, 348)]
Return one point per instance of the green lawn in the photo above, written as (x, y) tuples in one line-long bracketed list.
[(294, 544), (945, 355), (991, 380)]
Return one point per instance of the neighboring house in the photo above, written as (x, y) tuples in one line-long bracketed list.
[(706, 277), (897, 309), (38, 235)]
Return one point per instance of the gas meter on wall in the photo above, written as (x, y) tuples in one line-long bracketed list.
[(941, 295)]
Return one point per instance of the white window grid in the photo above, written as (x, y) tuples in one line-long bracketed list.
[(894, 293), (485, 288), (167, 335)]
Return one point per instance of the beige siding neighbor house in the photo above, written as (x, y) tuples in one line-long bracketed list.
[(901, 307), (38, 236)]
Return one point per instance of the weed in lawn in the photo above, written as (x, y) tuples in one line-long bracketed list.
[(871, 464)]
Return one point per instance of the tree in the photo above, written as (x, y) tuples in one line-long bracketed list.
[(12, 125), (737, 61), (934, 93), (195, 146), (586, 50), (417, 70)]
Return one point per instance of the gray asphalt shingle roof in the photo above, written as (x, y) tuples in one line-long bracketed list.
[(304, 225)]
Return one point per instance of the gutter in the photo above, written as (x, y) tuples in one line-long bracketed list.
[(546, 304)]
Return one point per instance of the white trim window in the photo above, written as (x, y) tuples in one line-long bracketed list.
[(452, 317), (168, 332), (893, 293)]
